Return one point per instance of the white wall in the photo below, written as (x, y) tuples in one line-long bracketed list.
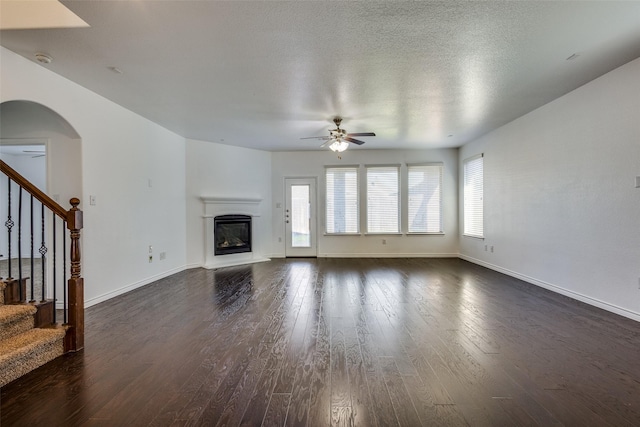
[(312, 164), (122, 154), (217, 170), (561, 209)]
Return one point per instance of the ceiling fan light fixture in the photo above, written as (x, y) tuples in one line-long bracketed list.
[(339, 145)]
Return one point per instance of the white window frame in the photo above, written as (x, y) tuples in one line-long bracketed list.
[(473, 196), (440, 167), (355, 168), (368, 168)]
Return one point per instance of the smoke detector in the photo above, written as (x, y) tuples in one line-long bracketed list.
[(43, 58)]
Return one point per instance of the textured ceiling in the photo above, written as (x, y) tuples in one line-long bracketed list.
[(265, 74)]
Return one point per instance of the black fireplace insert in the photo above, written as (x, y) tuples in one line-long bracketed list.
[(232, 234)]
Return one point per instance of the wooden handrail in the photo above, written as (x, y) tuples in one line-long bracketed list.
[(35, 191)]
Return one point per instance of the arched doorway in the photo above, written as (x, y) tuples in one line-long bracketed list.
[(28, 131), (43, 147)]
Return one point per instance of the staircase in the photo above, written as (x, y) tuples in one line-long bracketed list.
[(31, 333), (24, 347)]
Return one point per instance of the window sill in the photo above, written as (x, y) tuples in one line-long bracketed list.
[(440, 233), (473, 237), (342, 234), (383, 234)]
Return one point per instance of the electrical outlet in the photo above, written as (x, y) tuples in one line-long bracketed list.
[(637, 181), (163, 255), (491, 249), (279, 239), (486, 248), (150, 258), (384, 241)]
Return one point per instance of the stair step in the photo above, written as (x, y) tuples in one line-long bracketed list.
[(15, 319), (29, 350), (11, 290)]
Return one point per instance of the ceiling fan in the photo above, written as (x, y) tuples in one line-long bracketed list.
[(339, 139), (36, 153)]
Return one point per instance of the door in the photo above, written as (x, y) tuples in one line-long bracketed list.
[(300, 217)]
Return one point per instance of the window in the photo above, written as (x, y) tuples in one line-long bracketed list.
[(473, 196), (342, 214), (425, 198), (383, 199)]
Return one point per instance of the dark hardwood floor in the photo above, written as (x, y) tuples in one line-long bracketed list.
[(340, 342)]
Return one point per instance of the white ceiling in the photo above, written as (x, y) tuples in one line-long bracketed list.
[(264, 74)]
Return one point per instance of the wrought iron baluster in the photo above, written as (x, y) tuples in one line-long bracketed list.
[(9, 223), (64, 273), (33, 299), (53, 226), (43, 258), (22, 297)]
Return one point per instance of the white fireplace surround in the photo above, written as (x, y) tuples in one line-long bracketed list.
[(216, 206)]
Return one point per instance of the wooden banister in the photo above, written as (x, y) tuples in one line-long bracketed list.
[(74, 338), (32, 189)]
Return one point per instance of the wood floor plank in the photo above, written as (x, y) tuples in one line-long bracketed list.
[(277, 410), (405, 411), (319, 342)]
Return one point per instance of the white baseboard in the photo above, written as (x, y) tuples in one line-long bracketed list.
[(131, 287), (386, 255), (558, 289)]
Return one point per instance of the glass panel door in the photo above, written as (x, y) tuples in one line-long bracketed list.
[(300, 217)]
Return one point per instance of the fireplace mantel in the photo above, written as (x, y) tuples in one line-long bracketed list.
[(221, 205)]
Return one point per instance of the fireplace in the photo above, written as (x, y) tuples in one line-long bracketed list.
[(232, 234), (217, 208)]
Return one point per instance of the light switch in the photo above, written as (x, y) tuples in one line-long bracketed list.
[(637, 181), (92, 200)]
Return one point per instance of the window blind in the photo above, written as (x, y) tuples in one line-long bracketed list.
[(342, 215), (383, 199), (473, 196), (425, 198)]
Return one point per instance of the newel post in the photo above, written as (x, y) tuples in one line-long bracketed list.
[(74, 340)]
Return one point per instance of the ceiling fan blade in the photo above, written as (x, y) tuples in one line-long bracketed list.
[(317, 137), (324, 144), (355, 141), (362, 134)]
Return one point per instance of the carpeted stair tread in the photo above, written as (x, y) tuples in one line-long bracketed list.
[(27, 351), (15, 319), (14, 311), (2, 287)]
